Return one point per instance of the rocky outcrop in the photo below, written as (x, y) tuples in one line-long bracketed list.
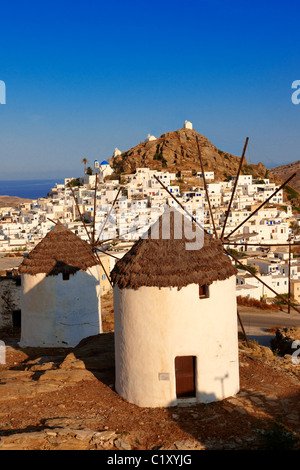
[(47, 373), (177, 151), (68, 438), (284, 171), (285, 341)]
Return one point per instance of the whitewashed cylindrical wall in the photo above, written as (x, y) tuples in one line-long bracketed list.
[(153, 326), (60, 313)]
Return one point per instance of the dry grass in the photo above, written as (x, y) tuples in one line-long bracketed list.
[(248, 302)]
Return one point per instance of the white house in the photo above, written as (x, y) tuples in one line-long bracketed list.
[(243, 179), (209, 175)]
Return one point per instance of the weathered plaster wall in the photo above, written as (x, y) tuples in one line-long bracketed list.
[(153, 326)]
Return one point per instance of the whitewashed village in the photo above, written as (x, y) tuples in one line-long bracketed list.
[(83, 243), (142, 200)]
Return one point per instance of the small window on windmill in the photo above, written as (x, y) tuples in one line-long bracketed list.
[(203, 291), (66, 276)]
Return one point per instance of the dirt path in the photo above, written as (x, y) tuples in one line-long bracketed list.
[(65, 399)]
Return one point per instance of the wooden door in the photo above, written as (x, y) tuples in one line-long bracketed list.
[(185, 376)]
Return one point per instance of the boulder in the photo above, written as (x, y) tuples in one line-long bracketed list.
[(283, 343)]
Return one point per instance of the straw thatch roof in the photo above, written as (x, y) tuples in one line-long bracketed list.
[(60, 251), (159, 262)]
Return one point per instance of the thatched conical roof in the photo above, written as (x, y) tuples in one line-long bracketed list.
[(158, 261), (60, 251)]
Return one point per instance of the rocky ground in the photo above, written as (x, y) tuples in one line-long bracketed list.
[(65, 399)]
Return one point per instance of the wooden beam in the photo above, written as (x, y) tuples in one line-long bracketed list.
[(80, 215), (261, 205), (235, 185), (206, 189), (180, 205), (107, 216), (243, 329), (259, 279), (95, 203)]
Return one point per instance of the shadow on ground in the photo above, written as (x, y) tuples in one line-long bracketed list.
[(95, 354)]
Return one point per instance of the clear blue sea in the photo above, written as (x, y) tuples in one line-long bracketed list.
[(29, 189)]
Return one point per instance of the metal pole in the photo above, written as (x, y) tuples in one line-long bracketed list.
[(103, 268), (95, 201), (106, 253), (289, 280), (52, 220), (206, 189), (243, 329), (103, 242), (107, 216), (80, 215), (261, 205), (264, 245), (235, 185)]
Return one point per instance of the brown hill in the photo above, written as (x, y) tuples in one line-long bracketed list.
[(177, 151), (12, 201), (284, 171)]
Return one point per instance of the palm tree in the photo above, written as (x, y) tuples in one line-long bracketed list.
[(85, 162)]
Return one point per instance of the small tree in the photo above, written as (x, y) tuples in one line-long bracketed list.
[(295, 227), (74, 182), (85, 162)]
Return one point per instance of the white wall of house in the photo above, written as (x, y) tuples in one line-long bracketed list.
[(247, 290)]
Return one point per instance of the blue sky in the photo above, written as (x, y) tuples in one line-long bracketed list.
[(85, 77)]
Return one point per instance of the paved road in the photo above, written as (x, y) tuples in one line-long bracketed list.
[(257, 322), (9, 263)]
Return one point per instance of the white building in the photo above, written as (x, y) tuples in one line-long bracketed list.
[(175, 319), (117, 152), (105, 170), (150, 138), (187, 125), (243, 179), (60, 295), (209, 175)]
